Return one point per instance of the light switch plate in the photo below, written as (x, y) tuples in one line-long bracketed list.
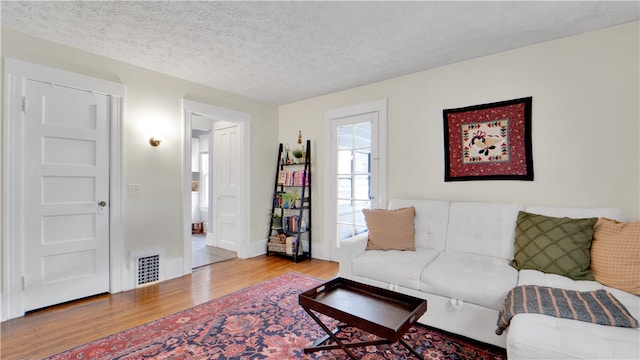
[(133, 189)]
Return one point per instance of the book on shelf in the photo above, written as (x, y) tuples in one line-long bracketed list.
[(291, 223), (282, 176), (293, 178), (291, 245)]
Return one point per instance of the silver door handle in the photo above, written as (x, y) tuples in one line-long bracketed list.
[(102, 203)]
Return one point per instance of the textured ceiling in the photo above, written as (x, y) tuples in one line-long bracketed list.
[(281, 52)]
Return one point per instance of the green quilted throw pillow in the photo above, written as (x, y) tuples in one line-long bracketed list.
[(554, 245)]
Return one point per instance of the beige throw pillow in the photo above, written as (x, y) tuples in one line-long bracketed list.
[(391, 229), (615, 254)]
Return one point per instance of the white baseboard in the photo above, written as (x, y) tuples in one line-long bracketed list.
[(319, 253), (258, 248), (173, 268)]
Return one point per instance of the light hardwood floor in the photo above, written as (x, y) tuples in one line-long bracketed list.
[(55, 329)]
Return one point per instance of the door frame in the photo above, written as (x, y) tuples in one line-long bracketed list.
[(14, 76), (243, 120), (330, 117)]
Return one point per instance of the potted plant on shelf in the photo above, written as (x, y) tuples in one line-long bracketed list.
[(290, 200), (287, 200), (298, 154), (276, 221)]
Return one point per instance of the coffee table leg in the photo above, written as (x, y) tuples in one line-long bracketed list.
[(340, 345), (330, 334), (327, 337), (415, 353)]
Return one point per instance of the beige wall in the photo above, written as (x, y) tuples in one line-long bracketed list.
[(585, 123), (153, 219)]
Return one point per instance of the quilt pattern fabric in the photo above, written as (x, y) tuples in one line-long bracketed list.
[(598, 306)]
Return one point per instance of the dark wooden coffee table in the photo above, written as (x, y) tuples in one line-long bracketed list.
[(381, 312)]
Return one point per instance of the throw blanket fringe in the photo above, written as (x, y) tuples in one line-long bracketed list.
[(598, 306)]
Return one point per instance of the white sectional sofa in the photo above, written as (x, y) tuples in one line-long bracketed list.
[(461, 266)]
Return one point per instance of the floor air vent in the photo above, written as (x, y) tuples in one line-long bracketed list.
[(147, 269)]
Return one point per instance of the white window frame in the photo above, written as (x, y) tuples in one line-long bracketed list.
[(379, 166)]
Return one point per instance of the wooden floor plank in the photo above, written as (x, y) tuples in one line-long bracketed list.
[(55, 329)]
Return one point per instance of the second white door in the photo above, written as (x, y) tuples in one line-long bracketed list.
[(226, 184)]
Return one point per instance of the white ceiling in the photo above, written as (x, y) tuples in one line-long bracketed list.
[(282, 52)]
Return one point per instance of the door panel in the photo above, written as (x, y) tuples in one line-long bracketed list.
[(227, 179), (67, 175), (69, 152)]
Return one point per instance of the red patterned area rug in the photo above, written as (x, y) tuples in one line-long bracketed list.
[(262, 322)]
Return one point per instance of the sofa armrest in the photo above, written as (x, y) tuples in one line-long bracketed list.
[(349, 250)]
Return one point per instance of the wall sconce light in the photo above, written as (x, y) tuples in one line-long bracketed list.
[(154, 142)]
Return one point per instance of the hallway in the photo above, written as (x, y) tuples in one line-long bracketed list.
[(204, 255)]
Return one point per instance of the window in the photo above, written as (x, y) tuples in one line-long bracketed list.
[(353, 178)]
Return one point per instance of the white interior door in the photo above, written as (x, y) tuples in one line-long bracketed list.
[(66, 197), (226, 175)]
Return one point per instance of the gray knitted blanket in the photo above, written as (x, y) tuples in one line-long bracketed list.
[(598, 307)]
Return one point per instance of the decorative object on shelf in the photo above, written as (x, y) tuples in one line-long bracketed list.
[(297, 202), (297, 155), (489, 141), (290, 234)]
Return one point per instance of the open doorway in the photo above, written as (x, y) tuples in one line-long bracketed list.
[(215, 185), (204, 249)]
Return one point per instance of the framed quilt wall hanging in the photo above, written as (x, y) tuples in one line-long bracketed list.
[(488, 141)]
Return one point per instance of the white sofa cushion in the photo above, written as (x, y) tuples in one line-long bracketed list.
[(533, 336), (394, 266), (482, 228), (477, 279), (430, 223)]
